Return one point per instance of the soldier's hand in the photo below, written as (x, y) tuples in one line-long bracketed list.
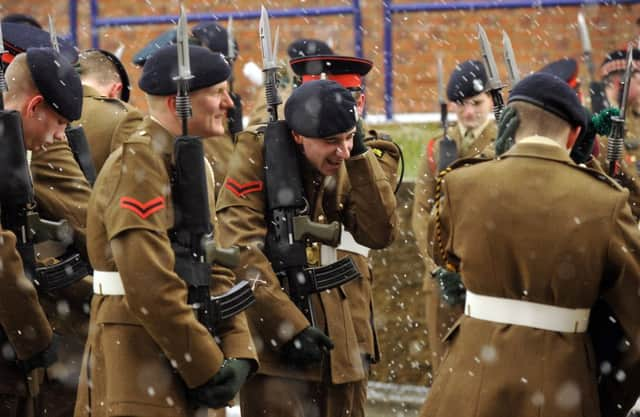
[(452, 291), (44, 358), (358, 140), (598, 124), (307, 348), (507, 127), (234, 114), (220, 390)]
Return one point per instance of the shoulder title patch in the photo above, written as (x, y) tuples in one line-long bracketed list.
[(143, 210), (241, 190)]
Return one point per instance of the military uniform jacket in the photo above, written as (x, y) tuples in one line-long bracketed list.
[(218, 150), (147, 345), (360, 197), (107, 122), (574, 241)]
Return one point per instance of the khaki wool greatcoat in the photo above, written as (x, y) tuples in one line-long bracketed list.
[(146, 347), (533, 226)]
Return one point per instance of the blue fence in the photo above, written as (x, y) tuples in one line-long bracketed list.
[(98, 22)]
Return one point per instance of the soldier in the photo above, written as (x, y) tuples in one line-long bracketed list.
[(107, 118), (537, 301), (342, 181), (47, 103), (166, 356), (475, 130), (350, 72), (612, 71), (286, 80)]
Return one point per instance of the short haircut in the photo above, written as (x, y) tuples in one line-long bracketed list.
[(534, 121), (19, 80), (95, 66)]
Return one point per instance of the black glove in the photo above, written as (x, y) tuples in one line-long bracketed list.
[(44, 358), (599, 123), (451, 289), (358, 140), (307, 347), (234, 115), (507, 127), (219, 390)]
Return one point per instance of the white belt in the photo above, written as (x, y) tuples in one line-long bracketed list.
[(348, 243), (526, 313), (107, 283)]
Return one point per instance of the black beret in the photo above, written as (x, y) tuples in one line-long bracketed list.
[(320, 109), (346, 70), (308, 47), (214, 37), (122, 72), (57, 81), (617, 61), (467, 80), (19, 37), (167, 38), (24, 19), (551, 94), (566, 69), (208, 68)]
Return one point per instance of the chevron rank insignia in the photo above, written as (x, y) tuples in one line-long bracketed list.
[(242, 190), (143, 210)]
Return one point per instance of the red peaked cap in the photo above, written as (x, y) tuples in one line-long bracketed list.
[(345, 70)]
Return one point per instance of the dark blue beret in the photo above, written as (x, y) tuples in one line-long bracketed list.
[(214, 37), (120, 69), (467, 80), (57, 81), (24, 19), (551, 94), (566, 69), (308, 47), (19, 37), (167, 38), (208, 68), (320, 109), (617, 61)]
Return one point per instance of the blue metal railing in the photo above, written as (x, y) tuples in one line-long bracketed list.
[(98, 22), (390, 9)]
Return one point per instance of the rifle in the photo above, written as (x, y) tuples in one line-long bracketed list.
[(510, 60), (493, 82), (448, 151), (596, 89), (192, 234), (288, 224), (75, 134), (616, 137)]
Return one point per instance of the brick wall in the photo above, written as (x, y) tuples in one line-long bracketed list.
[(538, 35)]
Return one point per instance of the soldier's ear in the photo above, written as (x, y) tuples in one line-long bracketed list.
[(115, 91), (573, 136), (33, 104), (171, 104), (297, 137)]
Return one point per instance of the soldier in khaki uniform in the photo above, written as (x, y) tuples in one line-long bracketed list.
[(474, 131), (46, 107), (107, 117), (146, 349), (534, 269), (343, 182)]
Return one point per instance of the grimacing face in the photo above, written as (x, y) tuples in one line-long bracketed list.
[(327, 154), (473, 112)]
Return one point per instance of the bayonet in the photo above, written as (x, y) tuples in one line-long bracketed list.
[(510, 60), (441, 96), (3, 82), (269, 66), (616, 138), (231, 47), (183, 102), (53, 35), (494, 84), (586, 45), (119, 51)]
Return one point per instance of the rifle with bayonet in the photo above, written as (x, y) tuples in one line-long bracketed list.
[(596, 89), (510, 60), (192, 235), (75, 134), (448, 150), (289, 227), (493, 77), (615, 143)]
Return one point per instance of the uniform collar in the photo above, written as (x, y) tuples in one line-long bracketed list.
[(161, 139), (474, 132), (88, 91), (539, 147)]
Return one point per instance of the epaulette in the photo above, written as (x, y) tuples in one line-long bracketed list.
[(110, 100), (463, 162), (598, 175)]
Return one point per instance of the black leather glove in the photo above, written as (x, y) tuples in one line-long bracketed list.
[(220, 390), (507, 127), (44, 358), (234, 115), (599, 123), (307, 347), (358, 140), (452, 290)]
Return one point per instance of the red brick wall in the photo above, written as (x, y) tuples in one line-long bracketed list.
[(538, 35)]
